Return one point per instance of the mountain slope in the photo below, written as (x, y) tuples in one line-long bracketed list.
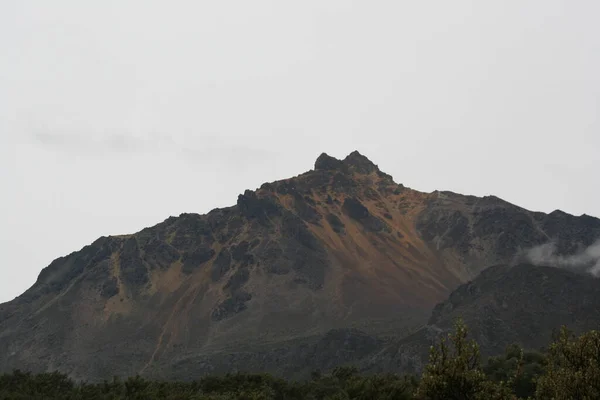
[(522, 304), (339, 248)]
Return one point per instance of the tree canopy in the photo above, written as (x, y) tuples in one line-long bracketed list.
[(569, 369)]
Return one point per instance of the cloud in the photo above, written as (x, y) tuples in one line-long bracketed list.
[(587, 260), (195, 149), (97, 143)]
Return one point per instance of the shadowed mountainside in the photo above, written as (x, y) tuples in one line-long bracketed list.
[(522, 304), (300, 268)]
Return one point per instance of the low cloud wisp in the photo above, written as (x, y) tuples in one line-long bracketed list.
[(587, 260)]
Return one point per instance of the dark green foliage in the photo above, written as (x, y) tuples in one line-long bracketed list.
[(573, 370), (454, 372), (343, 383), (521, 368), (570, 370), (24, 385)]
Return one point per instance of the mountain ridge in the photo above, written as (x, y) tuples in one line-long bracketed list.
[(339, 247)]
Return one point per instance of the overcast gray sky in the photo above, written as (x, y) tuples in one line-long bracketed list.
[(115, 115)]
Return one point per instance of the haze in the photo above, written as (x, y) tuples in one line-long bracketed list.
[(115, 115)]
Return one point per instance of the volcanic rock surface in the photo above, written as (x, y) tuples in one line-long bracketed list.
[(330, 267)]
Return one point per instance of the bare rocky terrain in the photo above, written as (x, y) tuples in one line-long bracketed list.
[(339, 265)]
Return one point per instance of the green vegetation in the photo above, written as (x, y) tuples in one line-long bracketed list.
[(573, 370), (454, 372), (569, 370), (342, 383)]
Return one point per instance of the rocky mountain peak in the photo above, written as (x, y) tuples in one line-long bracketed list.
[(325, 162), (360, 163), (354, 162)]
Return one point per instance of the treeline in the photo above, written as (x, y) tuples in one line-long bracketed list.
[(569, 369)]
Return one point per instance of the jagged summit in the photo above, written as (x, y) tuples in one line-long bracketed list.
[(355, 162), (360, 163), (326, 162)]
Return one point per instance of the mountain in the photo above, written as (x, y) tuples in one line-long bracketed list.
[(522, 304), (506, 304), (309, 272)]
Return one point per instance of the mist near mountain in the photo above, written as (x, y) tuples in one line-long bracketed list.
[(587, 259)]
